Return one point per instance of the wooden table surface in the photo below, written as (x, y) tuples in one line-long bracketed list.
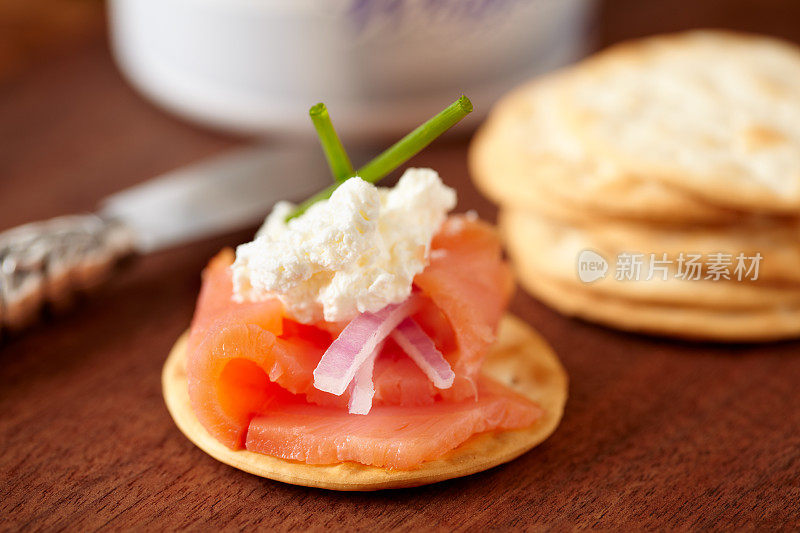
[(656, 434)]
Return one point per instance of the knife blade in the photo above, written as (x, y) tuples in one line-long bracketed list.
[(216, 196), (43, 264)]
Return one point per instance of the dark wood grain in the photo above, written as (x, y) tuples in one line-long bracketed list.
[(656, 434)]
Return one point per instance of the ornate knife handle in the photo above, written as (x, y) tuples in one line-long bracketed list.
[(45, 264)]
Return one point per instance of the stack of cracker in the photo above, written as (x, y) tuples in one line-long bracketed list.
[(655, 187)]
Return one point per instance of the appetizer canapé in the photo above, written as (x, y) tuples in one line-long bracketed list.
[(353, 330)]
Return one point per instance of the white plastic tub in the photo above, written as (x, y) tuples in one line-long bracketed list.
[(381, 66)]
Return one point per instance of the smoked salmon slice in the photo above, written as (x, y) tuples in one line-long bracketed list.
[(470, 283), (250, 368), (395, 436)]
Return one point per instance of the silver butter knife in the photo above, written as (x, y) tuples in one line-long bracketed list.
[(45, 264)]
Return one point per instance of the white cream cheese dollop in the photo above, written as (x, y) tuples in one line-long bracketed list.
[(356, 252)]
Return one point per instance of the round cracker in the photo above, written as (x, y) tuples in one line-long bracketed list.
[(776, 239), (755, 325), (714, 113), (523, 156), (520, 358), (777, 244), (540, 247)]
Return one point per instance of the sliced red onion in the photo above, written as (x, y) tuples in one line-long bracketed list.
[(420, 348), (362, 388), (355, 343)]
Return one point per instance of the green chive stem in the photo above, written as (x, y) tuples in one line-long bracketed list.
[(415, 142), (338, 161), (398, 153)]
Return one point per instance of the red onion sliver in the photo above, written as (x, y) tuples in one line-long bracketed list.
[(354, 345), (420, 348), (362, 388)]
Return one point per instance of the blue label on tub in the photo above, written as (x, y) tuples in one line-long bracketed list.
[(364, 12)]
